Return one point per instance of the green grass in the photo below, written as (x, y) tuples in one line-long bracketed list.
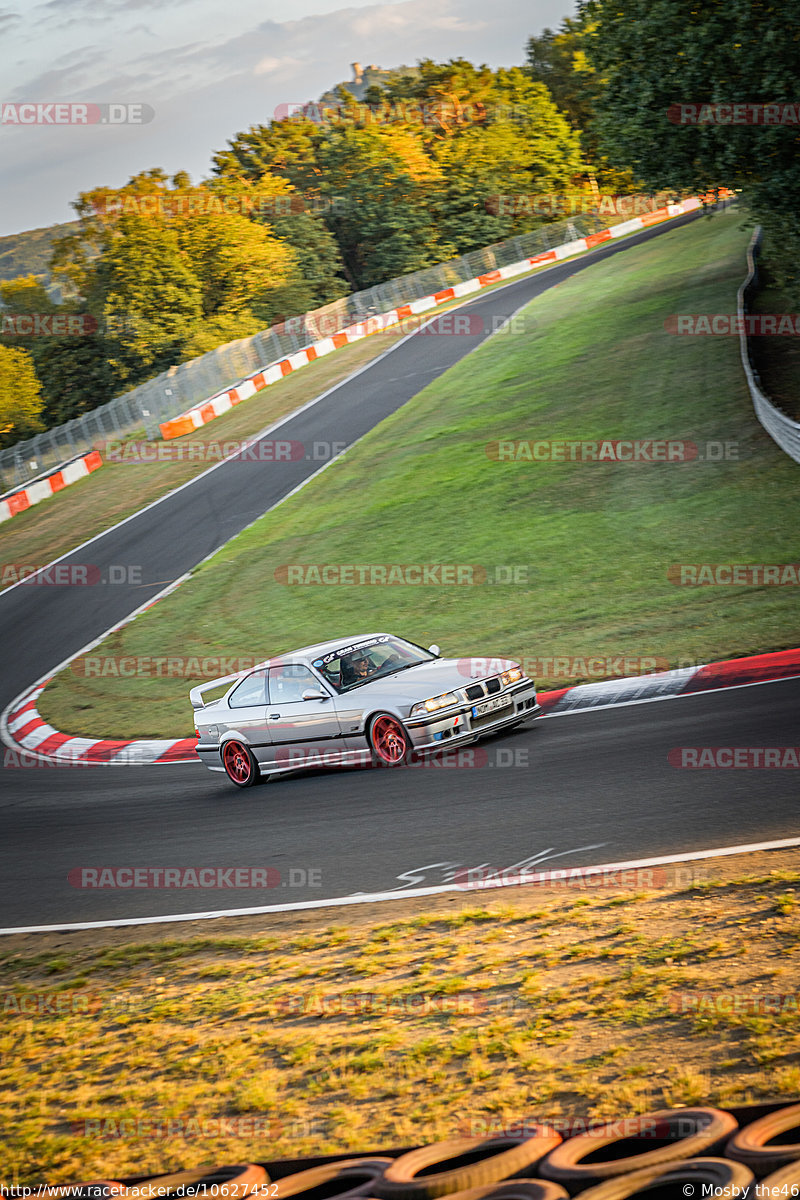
[(597, 538)]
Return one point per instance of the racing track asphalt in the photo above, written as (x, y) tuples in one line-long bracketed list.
[(590, 779), (597, 780)]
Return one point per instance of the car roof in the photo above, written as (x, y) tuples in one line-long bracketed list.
[(320, 648), (309, 653)]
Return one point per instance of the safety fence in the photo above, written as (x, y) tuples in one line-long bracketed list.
[(781, 429), (172, 392)]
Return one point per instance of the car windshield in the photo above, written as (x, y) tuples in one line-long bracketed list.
[(373, 658)]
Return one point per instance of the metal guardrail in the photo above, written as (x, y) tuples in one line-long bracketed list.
[(781, 429), (174, 391)]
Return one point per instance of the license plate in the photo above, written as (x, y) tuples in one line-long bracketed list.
[(487, 706)]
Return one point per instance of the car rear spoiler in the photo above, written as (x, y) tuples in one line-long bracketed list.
[(196, 694)]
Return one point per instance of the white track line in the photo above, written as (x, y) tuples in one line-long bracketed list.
[(402, 894)]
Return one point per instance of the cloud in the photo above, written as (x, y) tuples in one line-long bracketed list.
[(209, 86), (408, 18), (64, 79), (102, 8), (277, 67)]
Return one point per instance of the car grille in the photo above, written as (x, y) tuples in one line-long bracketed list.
[(477, 691)]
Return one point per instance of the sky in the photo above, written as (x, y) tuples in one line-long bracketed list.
[(202, 71)]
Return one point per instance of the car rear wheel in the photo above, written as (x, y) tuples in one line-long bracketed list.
[(388, 740), (240, 766)]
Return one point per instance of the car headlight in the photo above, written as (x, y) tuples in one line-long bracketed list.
[(511, 676), (446, 700)]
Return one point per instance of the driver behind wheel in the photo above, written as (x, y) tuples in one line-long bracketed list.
[(361, 666)]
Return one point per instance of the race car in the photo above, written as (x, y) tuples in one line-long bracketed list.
[(374, 699)]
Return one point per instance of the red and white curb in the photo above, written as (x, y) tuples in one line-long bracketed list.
[(32, 740), (36, 741), (668, 685), (43, 489), (210, 409)]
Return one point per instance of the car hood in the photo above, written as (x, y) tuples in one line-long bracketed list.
[(432, 678)]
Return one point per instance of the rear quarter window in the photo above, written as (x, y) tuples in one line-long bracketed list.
[(252, 690)]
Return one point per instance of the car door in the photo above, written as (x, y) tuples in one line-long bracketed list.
[(246, 713), (300, 730)]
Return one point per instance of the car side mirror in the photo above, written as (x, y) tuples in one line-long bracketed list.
[(434, 649), (315, 694)]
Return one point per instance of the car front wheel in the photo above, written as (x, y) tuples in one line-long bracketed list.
[(240, 766), (388, 740)]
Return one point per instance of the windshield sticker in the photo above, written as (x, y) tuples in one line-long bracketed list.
[(376, 641)]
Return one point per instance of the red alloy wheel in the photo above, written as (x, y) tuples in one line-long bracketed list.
[(389, 741), (239, 764)]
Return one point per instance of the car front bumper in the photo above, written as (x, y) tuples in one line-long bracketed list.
[(458, 726)]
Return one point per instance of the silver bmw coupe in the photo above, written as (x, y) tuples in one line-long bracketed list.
[(368, 700)]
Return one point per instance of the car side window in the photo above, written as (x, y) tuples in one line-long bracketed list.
[(252, 690), (287, 683)]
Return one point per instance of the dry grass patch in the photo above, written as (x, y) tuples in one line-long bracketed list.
[(383, 1032)]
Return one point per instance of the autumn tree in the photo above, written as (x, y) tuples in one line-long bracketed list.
[(170, 272), (382, 180), (72, 367), (20, 396)]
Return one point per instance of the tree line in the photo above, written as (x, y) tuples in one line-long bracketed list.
[(338, 197)]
